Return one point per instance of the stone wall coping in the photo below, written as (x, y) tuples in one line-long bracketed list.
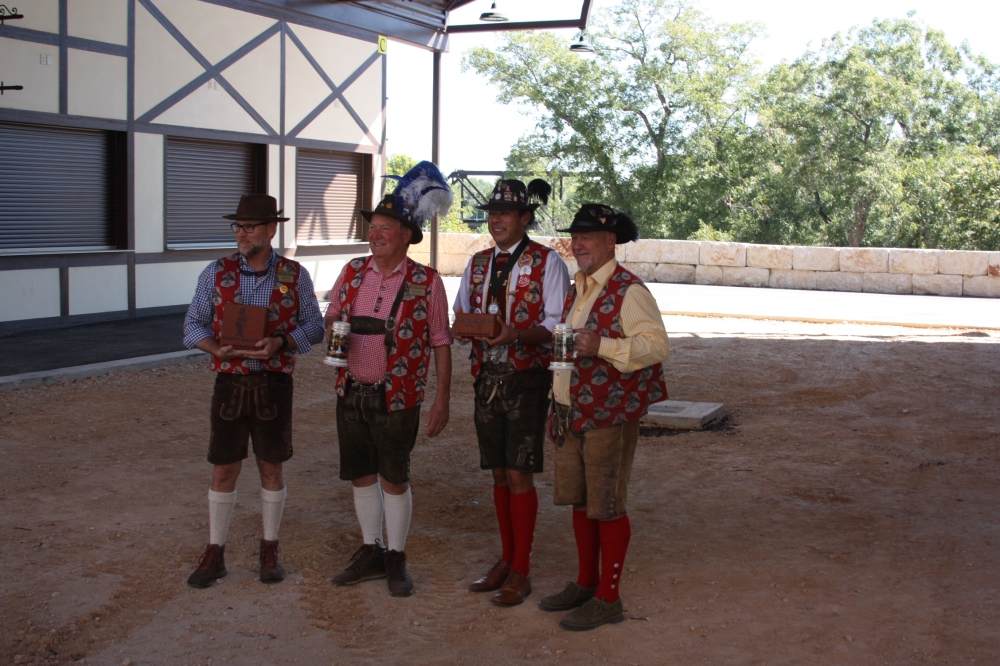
[(872, 269)]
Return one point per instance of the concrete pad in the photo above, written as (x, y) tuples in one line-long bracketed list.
[(45, 377), (684, 415)]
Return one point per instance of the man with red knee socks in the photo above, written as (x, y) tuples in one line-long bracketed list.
[(620, 346), (524, 284)]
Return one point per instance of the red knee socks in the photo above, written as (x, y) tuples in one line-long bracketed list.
[(615, 535), (523, 513), (501, 499), (588, 547)]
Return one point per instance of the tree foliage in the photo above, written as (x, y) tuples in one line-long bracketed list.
[(888, 135)]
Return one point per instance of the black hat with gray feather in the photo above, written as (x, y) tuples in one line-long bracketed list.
[(511, 194)]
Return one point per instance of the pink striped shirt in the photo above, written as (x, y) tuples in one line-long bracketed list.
[(366, 359)]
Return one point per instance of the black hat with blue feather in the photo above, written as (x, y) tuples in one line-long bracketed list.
[(420, 194)]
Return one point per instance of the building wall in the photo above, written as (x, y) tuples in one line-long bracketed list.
[(158, 68)]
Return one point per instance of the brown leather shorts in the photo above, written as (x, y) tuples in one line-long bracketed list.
[(374, 440), (593, 468), (257, 406), (510, 420)]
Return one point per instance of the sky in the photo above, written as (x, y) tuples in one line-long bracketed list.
[(477, 131)]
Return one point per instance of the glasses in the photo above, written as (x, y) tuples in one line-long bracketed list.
[(247, 228)]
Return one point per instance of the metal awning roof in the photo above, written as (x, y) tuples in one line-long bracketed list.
[(422, 23)]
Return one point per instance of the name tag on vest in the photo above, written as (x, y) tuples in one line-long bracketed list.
[(417, 289)]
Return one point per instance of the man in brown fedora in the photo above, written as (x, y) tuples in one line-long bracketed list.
[(398, 312), (253, 387), (524, 284)]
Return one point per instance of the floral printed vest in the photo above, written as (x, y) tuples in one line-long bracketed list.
[(282, 316), (529, 309), (409, 356), (600, 395)]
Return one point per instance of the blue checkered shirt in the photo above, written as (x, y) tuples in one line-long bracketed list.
[(255, 290)]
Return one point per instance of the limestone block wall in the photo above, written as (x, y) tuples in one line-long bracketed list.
[(875, 270)]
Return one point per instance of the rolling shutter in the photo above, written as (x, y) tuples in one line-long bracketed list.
[(328, 197), (57, 188), (205, 180)]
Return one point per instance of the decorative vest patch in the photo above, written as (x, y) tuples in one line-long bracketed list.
[(528, 309), (409, 357), (283, 315), (600, 395)]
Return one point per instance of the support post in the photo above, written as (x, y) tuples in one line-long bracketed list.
[(436, 150)]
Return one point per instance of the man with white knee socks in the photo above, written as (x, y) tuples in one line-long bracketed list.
[(253, 388), (398, 312)]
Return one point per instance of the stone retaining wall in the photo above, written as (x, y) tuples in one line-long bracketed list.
[(877, 270)]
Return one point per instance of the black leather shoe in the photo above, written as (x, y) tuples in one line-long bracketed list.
[(367, 563), (400, 584)]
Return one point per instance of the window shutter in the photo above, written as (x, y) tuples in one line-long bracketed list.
[(328, 197), (57, 188), (205, 180)]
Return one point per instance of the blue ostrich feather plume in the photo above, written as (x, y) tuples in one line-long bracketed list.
[(422, 192)]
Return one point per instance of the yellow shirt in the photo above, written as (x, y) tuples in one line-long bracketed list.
[(644, 342)]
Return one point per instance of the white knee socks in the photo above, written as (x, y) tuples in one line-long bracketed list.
[(397, 519), (220, 510), (368, 506), (272, 504)]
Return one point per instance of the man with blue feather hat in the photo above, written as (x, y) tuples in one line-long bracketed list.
[(398, 312)]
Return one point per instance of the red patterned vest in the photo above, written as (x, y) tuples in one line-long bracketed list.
[(600, 395), (283, 315), (528, 308), (406, 366)]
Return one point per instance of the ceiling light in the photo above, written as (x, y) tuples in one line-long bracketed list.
[(581, 45), (493, 15)]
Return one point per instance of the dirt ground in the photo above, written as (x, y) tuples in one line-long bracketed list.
[(846, 513)]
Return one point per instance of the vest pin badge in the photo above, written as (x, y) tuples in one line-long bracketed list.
[(525, 260), (480, 260), (283, 289), (523, 281)]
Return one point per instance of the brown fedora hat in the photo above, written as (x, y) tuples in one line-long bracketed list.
[(261, 207)]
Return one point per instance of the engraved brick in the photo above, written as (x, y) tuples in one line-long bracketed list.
[(680, 252), (785, 279), (993, 269), (937, 285), (678, 273), (816, 259), (722, 254), (830, 281), (643, 269), (708, 275), (744, 277), (769, 256), (962, 262), (864, 260), (914, 262), (888, 283), (985, 286)]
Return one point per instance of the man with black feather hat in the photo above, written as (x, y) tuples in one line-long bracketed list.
[(524, 284), (620, 347)]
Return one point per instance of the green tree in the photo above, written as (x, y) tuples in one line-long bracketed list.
[(639, 117), (886, 136)]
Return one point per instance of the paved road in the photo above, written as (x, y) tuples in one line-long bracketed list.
[(819, 306)]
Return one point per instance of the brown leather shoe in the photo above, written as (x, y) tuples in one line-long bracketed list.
[(493, 580), (271, 570), (513, 591), (211, 568)]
